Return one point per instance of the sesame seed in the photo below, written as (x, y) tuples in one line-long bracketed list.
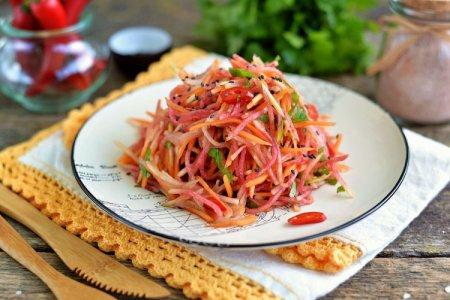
[(406, 295), (447, 289)]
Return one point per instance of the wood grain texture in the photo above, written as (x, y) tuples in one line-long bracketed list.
[(14, 277), (382, 278), (387, 278), (417, 262), (63, 287)]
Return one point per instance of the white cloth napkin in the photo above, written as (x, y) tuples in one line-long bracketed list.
[(428, 173)]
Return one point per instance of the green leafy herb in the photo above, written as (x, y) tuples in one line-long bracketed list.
[(298, 114), (293, 39), (321, 171), (168, 145), (144, 171), (321, 153), (295, 98), (340, 189), (147, 154), (331, 181), (293, 191), (264, 118), (217, 157), (142, 168), (26, 6), (280, 133), (238, 72), (319, 37)]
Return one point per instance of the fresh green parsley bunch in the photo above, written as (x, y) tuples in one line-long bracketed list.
[(318, 37)]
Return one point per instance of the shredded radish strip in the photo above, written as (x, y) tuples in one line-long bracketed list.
[(234, 143)]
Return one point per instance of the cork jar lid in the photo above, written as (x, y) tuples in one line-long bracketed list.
[(430, 5), (427, 10)]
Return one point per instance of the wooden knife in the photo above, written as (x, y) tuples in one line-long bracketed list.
[(79, 256), (63, 287)]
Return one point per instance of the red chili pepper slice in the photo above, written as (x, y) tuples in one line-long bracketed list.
[(22, 19), (15, 3), (80, 81), (307, 218), (74, 8), (235, 95), (312, 111), (49, 13)]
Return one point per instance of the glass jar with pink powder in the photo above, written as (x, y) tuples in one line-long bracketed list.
[(414, 66)]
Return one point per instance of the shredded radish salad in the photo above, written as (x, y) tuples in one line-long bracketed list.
[(233, 143)]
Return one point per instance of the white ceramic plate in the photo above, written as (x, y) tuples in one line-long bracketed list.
[(378, 158)]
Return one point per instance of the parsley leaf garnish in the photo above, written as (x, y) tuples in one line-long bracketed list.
[(238, 72), (217, 157)]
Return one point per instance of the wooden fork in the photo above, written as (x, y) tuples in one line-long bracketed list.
[(63, 287)]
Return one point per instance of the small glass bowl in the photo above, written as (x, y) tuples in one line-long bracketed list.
[(54, 70)]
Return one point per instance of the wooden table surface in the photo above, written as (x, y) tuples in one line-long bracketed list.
[(417, 262)]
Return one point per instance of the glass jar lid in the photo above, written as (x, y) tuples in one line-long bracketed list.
[(423, 10)]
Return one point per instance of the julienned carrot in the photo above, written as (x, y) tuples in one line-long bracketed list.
[(228, 187), (296, 150), (200, 213), (214, 123), (125, 159), (246, 220), (230, 155), (254, 139), (139, 122), (287, 170), (256, 181), (256, 131), (209, 190), (343, 168), (176, 106), (313, 123), (337, 143)]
